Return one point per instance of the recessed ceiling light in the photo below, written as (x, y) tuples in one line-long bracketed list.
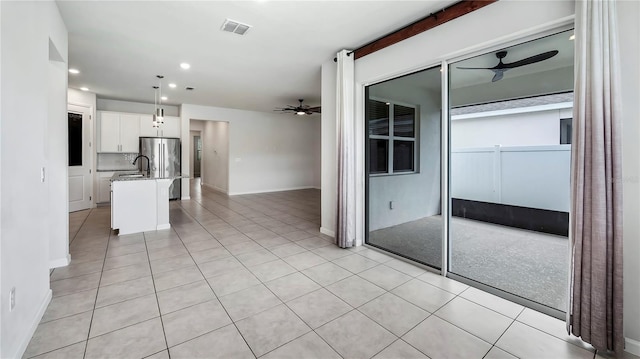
[(163, 98), (74, 71), (172, 85), (84, 89), (185, 65)]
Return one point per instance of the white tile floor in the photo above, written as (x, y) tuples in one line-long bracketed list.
[(251, 276)]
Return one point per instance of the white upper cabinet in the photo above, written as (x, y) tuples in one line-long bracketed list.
[(109, 132), (129, 133), (119, 132), (170, 127)]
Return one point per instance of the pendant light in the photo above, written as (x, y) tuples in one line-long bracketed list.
[(155, 107), (158, 111)]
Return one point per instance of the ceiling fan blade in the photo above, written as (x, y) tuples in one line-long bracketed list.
[(473, 68), (531, 60), (315, 109), (498, 76)]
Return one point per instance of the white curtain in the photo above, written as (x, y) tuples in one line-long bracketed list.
[(346, 204), (596, 219)]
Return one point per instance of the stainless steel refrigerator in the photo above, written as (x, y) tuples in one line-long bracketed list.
[(164, 160)]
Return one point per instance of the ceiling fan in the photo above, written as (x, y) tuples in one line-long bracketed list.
[(300, 109), (502, 67)]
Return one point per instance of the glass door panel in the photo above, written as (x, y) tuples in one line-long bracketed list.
[(403, 119), (510, 168)]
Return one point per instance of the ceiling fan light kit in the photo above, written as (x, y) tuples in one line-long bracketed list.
[(300, 110), (502, 67)]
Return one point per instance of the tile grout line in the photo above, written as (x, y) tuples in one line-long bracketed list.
[(155, 292), (212, 291), (269, 289), (97, 292)]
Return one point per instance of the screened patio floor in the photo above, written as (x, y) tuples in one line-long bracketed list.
[(529, 264)]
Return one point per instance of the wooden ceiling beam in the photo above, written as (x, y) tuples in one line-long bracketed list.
[(435, 19)]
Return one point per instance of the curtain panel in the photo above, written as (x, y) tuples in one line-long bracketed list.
[(346, 204), (595, 312)]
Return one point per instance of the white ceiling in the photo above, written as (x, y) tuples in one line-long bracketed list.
[(120, 46)]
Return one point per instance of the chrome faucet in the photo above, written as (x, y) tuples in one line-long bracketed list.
[(134, 162)]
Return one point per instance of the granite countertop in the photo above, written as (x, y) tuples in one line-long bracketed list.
[(138, 176)]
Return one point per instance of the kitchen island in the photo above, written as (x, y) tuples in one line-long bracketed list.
[(140, 203)]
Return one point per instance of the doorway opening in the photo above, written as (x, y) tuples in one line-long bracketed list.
[(197, 155)]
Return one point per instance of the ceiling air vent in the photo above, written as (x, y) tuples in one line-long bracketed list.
[(235, 27)]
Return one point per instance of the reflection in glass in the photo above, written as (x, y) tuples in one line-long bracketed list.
[(403, 121), (404, 204), (509, 169), (378, 118), (378, 150), (402, 156), (75, 138)]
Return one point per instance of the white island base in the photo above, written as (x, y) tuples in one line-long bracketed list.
[(140, 205)]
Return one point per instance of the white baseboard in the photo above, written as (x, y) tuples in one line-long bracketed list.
[(632, 346), (328, 232), (60, 262), (24, 342), (185, 198), (163, 226), (214, 188), (270, 190)]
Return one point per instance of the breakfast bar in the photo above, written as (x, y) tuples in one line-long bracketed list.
[(140, 203)]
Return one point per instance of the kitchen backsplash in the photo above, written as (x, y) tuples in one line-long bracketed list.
[(116, 161)]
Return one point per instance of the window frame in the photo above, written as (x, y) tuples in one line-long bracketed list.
[(392, 137)]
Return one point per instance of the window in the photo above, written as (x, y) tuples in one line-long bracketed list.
[(565, 131), (392, 137)]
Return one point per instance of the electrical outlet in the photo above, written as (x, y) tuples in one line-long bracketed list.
[(391, 204), (12, 299)]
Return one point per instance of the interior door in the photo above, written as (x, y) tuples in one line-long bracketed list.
[(79, 158)]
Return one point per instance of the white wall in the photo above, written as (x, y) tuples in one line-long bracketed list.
[(215, 155), (629, 33), (267, 152), (58, 149), (329, 158), (135, 107), (515, 129), (25, 216)]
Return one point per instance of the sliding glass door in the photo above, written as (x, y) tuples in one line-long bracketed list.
[(508, 154), (403, 119), (510, 167)]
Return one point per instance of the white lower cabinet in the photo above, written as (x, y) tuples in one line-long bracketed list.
[(104, 187)]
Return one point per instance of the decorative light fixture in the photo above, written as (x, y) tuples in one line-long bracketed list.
[(158, 114)]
